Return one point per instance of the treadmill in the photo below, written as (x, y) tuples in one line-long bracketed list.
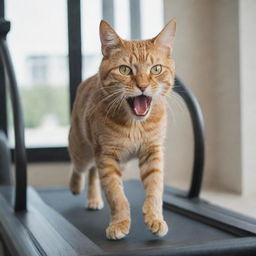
[(51, 221)]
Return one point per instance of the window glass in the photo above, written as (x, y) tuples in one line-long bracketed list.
[(122, 18), (152, 17), (92, 14), (38, 44)]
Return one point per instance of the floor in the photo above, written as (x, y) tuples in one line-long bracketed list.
[(242, 204)]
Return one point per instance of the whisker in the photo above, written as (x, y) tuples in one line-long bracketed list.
[(177, 99), (95, 107), (111, 105), (172, 113), (118, 105), (179, 102)]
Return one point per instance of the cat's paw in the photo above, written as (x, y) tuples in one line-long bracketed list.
[(95, 204), (118, 230), (76, 184), (157, 226)]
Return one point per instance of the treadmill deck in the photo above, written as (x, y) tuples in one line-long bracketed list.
[(182, 230)]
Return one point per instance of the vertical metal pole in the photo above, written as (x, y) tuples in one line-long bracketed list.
[(3, 103), (74, 47), (108, 11), (135, 19), (20, 150)]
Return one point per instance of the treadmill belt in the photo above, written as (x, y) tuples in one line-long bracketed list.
[(182, 230)]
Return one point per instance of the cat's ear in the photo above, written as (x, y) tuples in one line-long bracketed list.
[(109, 38), (166, 36)]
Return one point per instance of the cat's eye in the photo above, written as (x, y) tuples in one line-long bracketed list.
[(156, 70), (125, 70)]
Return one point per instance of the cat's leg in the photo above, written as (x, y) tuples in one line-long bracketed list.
[(151, 166), (95, 201), (111, 180), (77, 179), (81, 157)]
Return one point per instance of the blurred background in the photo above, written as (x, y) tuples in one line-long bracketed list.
[(215, 56)]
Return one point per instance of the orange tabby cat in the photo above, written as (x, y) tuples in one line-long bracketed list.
[(118, 114)]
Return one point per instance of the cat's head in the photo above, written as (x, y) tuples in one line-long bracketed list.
[(135, 75)]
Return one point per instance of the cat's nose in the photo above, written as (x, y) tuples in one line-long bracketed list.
[(142, 87)]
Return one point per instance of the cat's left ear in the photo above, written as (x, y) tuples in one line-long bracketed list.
[(166, 36)]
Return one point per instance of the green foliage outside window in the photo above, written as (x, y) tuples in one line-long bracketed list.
[(40, 101)]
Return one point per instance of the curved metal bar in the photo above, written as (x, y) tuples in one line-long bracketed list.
[(20, 150), (198, 131), (5, 161)]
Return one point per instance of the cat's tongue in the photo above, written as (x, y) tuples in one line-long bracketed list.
[(140, 105)]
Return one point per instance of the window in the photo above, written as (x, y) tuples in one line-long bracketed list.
[(40, 61)]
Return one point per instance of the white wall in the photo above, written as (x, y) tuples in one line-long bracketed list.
[(227, 95), (216, 56), (247, 11)]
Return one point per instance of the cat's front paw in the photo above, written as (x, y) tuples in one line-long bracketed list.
[(118, 230), (153, 218), (95, 204), (157, 226)]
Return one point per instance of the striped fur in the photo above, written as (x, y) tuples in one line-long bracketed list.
[(105, 134)]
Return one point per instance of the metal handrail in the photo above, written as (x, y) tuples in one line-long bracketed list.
[(20, 203), (198, 131)]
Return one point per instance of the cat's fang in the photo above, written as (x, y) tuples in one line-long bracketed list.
[(140, 104)]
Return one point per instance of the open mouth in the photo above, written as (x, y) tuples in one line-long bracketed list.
[(140, 105)]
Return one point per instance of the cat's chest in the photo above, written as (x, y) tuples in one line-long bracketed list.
[(130, 145), (136, 140), (129, 141)]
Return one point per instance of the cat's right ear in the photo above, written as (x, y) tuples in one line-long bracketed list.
[(110, 40)]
